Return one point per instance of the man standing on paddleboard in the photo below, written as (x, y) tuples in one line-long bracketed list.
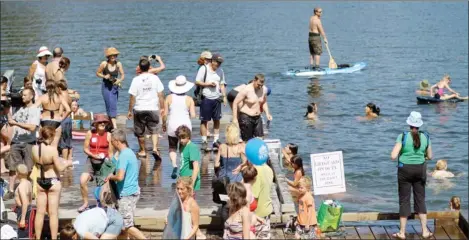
[(314, 39)]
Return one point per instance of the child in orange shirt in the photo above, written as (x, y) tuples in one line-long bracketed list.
[(306, 221)]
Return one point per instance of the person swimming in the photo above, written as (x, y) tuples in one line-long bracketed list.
[(440, 90), (311, 112), (424, 88), (371, 112), (441, 171)]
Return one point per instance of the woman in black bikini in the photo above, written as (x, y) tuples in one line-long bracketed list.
[(51, 103), (47, 159)]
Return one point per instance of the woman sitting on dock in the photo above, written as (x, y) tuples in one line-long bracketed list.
[(231, 155), (46, 158), (239, 223), (412, 149), (98, 147), (78, 112)]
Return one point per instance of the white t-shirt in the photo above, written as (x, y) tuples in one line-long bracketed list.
[(145, 88), (217, 77)]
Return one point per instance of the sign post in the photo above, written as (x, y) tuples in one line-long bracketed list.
[(328, 173)]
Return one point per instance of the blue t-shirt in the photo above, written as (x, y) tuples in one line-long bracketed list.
[(129, 163)]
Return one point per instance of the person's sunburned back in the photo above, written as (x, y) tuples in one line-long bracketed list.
[(51, 101), (44, 155)]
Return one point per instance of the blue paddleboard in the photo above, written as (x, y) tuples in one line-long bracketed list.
[(308, 72)]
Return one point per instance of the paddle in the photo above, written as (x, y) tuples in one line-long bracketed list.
[(332, 64)]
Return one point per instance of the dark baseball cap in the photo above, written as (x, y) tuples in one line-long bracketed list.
[(217, 57)]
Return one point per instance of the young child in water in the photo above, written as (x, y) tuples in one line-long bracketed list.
[(455, 203), (312, 112), (440, 171), (288, 152), (306, 221), (23, 196)]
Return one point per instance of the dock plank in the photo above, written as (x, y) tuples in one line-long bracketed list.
[(411, 233), (453, 231), (391, 230), (379, 232), (438, 231), (418, 229), (351, 233), (365, 232)]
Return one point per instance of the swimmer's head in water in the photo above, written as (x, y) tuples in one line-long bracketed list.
[(291, 148), (258, 81), (312, 108), (455, 203), (372, 108), (441, 165)]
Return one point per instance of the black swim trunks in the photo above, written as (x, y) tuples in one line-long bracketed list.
[(315, 45), (250, 126)]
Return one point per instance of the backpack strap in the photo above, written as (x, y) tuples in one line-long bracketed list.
[(205, 75), (428, 139), (404, 138)]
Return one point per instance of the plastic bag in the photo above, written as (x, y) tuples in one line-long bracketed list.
[(330, 215)]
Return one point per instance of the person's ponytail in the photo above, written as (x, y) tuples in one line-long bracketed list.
[(416, 136)]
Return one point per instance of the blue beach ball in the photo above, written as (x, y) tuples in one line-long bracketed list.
[(268, 91), (257, 151)]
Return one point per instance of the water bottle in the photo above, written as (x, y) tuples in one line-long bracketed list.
[(102, 156)]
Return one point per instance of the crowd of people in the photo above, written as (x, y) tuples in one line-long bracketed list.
[(37, 138)]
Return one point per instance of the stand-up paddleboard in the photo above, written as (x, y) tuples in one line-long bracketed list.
[(432, 100), (342, 68), (176, 226)]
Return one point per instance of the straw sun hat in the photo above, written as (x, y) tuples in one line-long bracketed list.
[(111, 51), (180, 85)]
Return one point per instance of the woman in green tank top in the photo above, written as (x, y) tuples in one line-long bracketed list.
[(412, 149)]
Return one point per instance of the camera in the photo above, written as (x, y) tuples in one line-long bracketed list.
[(39, 81), (152, 57)]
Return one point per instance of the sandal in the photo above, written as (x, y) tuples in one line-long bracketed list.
[(82, 209), (429, 235), (398, 236), (141, 155), (156, 156)]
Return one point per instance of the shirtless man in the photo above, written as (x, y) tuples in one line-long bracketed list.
[(314, 40), (249, 102), (53, 66)]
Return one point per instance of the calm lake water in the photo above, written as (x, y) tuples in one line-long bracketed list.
[(402, 43)]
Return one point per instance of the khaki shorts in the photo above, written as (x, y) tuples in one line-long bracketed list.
[(126, 207), (315, 45), (20, 153)]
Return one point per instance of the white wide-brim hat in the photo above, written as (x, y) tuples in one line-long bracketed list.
[(43, 51), (180, 85), (415, 119)]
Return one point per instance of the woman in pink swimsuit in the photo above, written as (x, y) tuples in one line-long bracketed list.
[(440, 89)]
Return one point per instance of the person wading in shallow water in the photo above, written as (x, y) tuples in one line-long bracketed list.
[(315, 32)]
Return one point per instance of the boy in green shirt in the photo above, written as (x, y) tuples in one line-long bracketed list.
[(190, 156)]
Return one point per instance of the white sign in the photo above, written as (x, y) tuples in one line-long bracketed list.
[(328, 173)]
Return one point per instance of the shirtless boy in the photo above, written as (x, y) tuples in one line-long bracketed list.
[(315, 32), (249, 102), (23, 197)]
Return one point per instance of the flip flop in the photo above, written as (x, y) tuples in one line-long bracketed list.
[(398, 236), (140, 155), (430, 234)]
